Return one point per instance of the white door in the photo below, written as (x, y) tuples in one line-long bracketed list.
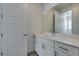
[(0, 29), (14, 40)]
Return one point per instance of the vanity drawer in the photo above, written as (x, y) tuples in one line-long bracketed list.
[(73, 51)]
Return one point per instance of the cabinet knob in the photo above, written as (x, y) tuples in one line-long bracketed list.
[(43, 46)]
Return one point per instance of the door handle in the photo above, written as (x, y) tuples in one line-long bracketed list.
[(25, 34)]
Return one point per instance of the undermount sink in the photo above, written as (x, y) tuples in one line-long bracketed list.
[(47, 34)]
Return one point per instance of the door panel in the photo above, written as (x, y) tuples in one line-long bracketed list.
[(14, 41), (0, 29)]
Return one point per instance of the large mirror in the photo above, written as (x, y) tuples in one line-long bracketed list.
[(63, 18)]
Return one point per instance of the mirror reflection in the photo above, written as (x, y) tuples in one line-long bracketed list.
[(63, 18)]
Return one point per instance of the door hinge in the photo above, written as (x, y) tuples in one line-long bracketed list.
[(1, 34), (1, 53), (1, 15)]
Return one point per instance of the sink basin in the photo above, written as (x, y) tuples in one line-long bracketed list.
[(47, 34)]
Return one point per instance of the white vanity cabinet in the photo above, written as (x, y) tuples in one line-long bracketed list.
[(43, 47), (55, 47), (65, 49)]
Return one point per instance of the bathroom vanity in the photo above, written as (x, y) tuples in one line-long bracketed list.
[(57, 45)]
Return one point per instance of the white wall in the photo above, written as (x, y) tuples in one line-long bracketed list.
[(35, 23), (47, 21), (35, 17)]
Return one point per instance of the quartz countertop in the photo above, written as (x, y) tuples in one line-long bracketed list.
[(63, 38)]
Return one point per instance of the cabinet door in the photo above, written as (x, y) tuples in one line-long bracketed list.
[(47, 50), (37, 46), (42, 48)]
